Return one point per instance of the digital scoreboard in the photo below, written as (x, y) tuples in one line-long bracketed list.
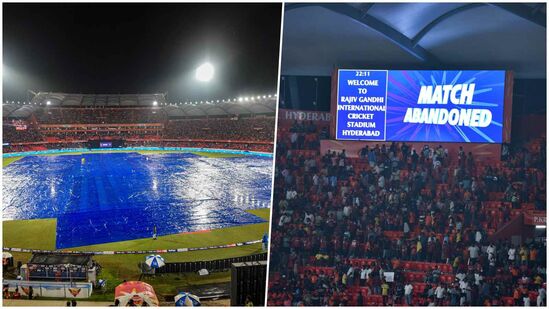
[(420, 106)]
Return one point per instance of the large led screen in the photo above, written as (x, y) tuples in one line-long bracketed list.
[(420, 106)]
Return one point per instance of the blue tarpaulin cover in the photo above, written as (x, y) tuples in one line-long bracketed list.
[(122, 196)]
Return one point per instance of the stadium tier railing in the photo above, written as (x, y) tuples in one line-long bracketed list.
[(214, 265), (238, 244), (144, 140), (182, 149)]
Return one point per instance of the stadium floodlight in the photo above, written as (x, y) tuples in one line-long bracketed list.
[(264, 96), (269, 95), (217, 101), (205, 72), (258, 97), (155, 103), (246, 99), (48, 103), (240, 99)]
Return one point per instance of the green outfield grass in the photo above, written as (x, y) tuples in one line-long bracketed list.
[(7, 161), (40, 234)]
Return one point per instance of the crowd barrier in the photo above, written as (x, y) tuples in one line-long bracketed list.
[(222, 264), (238, 244), (182, 149), (50, 289), (130, 139)]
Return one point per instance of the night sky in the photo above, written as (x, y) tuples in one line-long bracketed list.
[(140, 48)]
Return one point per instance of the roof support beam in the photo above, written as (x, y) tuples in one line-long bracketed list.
[(365, 7), (377, 25), (441, 18)]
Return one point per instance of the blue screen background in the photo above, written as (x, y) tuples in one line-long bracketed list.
[(403, 92)]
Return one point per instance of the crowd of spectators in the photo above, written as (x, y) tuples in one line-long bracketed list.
[(254, 134), (94, 134), (54, 115), (243, 129), (11, 134), (399, 225)]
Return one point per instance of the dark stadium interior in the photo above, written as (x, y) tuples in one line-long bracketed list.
[(139, 48), (90, 80), (452, 233)]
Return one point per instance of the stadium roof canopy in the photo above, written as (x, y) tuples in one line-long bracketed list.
[(318, 37), (265, 105), (97, 100)]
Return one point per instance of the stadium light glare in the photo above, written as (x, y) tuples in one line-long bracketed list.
[(47, 103), (205, 72), (264, 96), (269, 95), (246, 99), (258, 97), (155, 103)]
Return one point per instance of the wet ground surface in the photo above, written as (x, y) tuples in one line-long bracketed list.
[(210, 291), (122, 196)]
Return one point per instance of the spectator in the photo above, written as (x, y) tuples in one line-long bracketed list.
[(392, 209)]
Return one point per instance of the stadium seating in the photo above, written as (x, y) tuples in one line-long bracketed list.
[(333, 219), (55, 128)]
